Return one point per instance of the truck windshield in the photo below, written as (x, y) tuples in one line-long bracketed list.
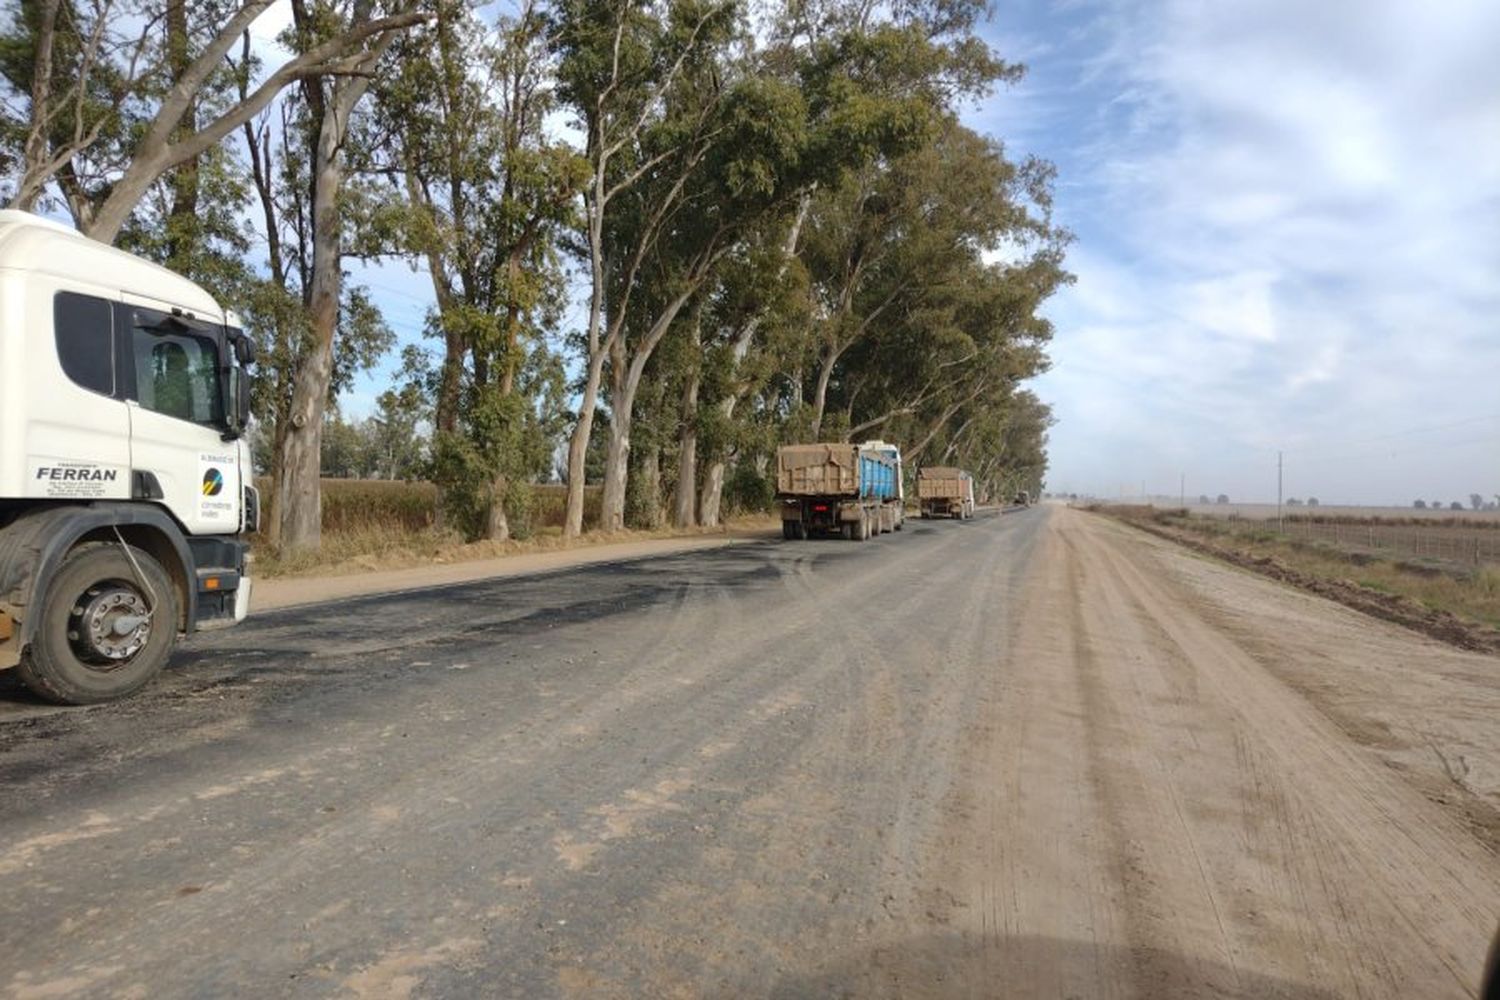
[(176, 368)]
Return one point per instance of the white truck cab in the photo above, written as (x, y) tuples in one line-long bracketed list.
[(125, 482)]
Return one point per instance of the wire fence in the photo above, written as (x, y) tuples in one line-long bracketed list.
[(1444, 543)]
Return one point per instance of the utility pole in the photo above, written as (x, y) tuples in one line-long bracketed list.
[(1182, 491), (1279, 529)]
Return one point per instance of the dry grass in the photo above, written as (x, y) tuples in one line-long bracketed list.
[(350, 552), (1473, 595), (355, 506), (372, 525), (1347, 514)]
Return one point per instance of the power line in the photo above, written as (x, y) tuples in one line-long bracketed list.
[(1382, 453), (1408, 432)]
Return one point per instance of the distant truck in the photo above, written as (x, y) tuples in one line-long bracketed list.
[(943, 491), (846, 489), (125, 486), (1023, 499)]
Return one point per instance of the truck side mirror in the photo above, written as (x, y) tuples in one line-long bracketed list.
[(244, 350), (243, 386), (237, 387)]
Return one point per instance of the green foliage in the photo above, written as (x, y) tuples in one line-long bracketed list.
[(521, 509), (465, 482), (798, 237), (747, 491)]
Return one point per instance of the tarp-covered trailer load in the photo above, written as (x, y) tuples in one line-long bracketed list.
[(838, 488), (943, 491)]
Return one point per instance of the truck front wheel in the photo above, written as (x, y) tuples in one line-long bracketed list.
[(107, 626)]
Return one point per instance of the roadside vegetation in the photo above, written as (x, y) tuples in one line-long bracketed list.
[(376, 524), (660, 237), (1459, 604)]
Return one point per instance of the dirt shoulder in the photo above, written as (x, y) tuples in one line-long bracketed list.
[(283, 592), (1196, 782), (1392, 607)]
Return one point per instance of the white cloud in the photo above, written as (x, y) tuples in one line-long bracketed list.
[(1287, 218)]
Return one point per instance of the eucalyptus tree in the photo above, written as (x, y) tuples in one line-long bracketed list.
[(638, 77), (274, 300), (99, 109), (479, 194), (877, 82), (892, 246), (330, 101), (750, 144), (977, 335)]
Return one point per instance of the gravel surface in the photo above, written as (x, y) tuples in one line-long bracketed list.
[(1037, 754)]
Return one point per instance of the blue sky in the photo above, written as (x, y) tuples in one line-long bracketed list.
[(1288, 238), (1288, 222)]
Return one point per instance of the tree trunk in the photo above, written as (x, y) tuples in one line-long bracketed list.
[(300, 499), (687, 439), (710, 500), (685, 515), (820, 395), (646, 510), (182, 222), (155, 152), (499, 529), (617, 459), (712, 497), (916, 450), (622, 401), (34, 179), (616, 473), (578, 446)]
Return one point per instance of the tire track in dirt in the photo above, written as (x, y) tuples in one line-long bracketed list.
[(1387, 869), (1163, 817)]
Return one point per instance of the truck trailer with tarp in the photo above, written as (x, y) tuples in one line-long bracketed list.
[(943, 491), (845, 489)]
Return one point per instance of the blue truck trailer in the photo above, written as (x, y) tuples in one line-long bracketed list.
[(846, 489)]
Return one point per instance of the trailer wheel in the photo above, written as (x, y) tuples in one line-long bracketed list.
[(99, 636), (786, 531)]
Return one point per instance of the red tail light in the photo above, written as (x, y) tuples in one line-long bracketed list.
[(821, 508)]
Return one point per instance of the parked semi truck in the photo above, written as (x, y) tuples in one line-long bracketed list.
[(848, 489), (125, 481), (943, 491)]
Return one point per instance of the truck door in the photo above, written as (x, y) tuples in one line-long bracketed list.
[(178, 363), (69, 404)]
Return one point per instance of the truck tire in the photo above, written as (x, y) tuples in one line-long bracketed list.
[(787, 533), (849, 531), (77, 655)]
